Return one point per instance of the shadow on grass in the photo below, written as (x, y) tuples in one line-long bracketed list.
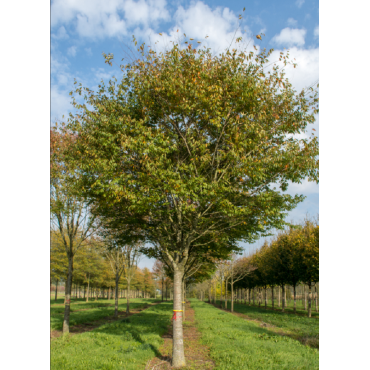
[(90, 312), (129, 342)]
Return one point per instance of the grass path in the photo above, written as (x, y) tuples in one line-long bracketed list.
[(196, 354), (126, 344), (303, 329), (237, 344)]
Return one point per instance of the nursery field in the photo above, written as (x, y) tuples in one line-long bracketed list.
[(251, 338)]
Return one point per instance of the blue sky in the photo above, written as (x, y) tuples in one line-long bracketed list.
[(82, 30)]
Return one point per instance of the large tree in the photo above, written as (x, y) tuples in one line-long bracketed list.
[(188, 145)]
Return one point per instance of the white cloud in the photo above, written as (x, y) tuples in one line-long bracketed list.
[(316, 32), (71, 51), (98, 19), (61, 34), (291, 22), (60, 103), (290, 36), (307, 71), (299, 3), (199, 20)]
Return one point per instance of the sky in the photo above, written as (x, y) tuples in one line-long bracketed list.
[(82, 30)]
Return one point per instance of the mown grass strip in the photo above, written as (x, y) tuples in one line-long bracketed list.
[(236, 343), (125, 344), (304, 329), (92, 311)]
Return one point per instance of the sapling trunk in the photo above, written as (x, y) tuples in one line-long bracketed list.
[(272, 296), (67, 301), (265, 298), (127, 298), (232, 297), (178, 356), (116, 298), (309, 299), (215, 293), (56, 289), (259, 297)]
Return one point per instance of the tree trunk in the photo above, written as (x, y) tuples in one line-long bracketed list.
[(225, 299), (116, 298), (295, 298), (215, 293), (221, 294), (272, 296), (249, 296), (178, 356), (283, 297), (253, 293), (88, 286), (162, 289), (265, 298), (127, 298), (259, 297), (316, 299), (67, 301), (309, 299), (56, 289), (232, 297), (279, 296)]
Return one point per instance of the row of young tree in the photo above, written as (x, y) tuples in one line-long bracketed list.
[(290, 259), (178, 156), (93, 272)]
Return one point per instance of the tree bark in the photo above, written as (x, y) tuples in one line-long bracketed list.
[(215, 293), (88, 286), (279, 296), (316, 299), (116, 298), (178, 356), (127, 298), (309, 299), (56, 289), (265, 297), (67, 306), (283, 297), (272, 296), (295, 298), (232, 297)]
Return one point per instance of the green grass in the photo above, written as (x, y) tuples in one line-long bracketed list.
[(236, 343), (127, 344), (302, 328), (94, 310), (289, 308)]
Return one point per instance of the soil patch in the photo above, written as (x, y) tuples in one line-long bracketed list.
[(88, 326), (196, 354)]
